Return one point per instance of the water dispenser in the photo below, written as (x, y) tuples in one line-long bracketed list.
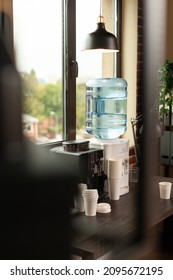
[(106, 117), (106, 107)]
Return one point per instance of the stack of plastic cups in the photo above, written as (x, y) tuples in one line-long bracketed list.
[(115, 173), (90, 197)]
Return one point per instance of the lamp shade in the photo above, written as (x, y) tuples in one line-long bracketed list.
[(101, 39)]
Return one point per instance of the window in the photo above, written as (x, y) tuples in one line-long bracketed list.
[(91, 65), (48, 36), (38, 48)]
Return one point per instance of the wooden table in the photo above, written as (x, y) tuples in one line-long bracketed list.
[(106, 234)]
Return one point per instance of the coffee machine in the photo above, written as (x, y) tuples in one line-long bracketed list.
[(86, 161), (89, 159)]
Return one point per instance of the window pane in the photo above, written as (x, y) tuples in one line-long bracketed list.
[(38, 48), (90, 63)]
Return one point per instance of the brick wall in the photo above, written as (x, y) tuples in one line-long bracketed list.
[(132, 156)]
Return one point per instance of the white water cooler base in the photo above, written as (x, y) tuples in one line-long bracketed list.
[(117, 149)]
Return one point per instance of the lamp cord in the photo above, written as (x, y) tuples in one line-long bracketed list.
[(100, 8)]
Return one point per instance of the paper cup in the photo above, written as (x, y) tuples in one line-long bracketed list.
[(114, 186), (165, 190), (90, 206), (90, 198), (115, 168)]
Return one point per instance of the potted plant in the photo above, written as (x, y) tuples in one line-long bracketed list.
[(166, 93)]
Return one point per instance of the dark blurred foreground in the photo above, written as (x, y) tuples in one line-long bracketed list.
[(36, 191)]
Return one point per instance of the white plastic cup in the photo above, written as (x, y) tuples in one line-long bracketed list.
[(90, 191), (114, 186), (115, 168), (90, 202), (165, 190), (78, 199)]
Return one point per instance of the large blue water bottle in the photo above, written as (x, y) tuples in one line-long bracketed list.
[(106, 107)]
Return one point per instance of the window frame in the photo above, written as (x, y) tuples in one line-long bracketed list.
[(69, 70), (70, 65)]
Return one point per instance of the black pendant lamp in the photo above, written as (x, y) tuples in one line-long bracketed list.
[(100, 39)]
